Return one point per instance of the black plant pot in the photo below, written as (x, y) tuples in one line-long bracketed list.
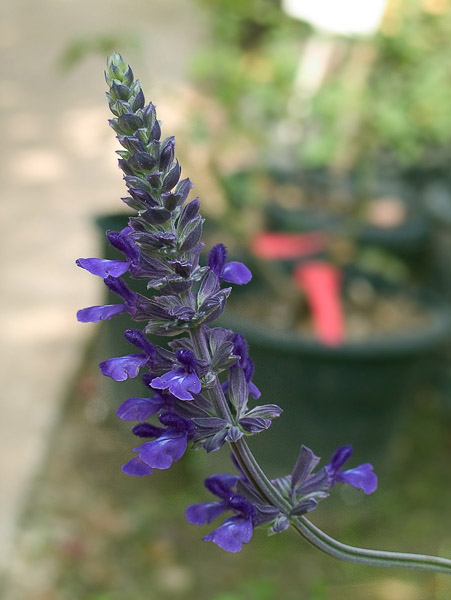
[(349, 394), (437, 195)]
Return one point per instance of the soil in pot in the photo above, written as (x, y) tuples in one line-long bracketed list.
[(368, 313)]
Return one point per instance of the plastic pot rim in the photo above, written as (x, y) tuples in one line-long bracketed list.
[(402, 345)]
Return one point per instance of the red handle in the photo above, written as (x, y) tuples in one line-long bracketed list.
[(321, 282), (279, 246)]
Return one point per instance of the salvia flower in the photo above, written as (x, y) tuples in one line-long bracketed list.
[(361, 477), (234, 531), (93, 314), (232, 272), (182, 381), (196, 391), (169, 445)]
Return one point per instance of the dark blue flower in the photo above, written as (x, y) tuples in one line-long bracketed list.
[(361, 477), (169, 445), (232, 272), (139, 409), (236, 530), (232, 534), (122, 241), (93, 314), (182, 381), (166, 449), (205, 512), (121, 368), (103, 267)]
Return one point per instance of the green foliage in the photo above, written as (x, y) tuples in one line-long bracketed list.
[(245, 24), (397, 110), (258, 589), (403, 108), (101, 44), (250, 64)]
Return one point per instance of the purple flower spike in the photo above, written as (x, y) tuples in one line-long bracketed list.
[(162, 452), (361, 477), (94, 314), (232, 272), (136, 467), (103, 267), (232, 534), (121, 368)]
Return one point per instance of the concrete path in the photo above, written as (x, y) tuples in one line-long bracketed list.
[(58, 170)]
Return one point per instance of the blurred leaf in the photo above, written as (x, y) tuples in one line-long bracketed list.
[(103, 44), (319, 590)]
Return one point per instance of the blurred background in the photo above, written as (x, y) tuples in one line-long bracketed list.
[(318, 138)]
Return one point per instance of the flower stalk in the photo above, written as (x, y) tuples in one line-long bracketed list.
[(198, 390)]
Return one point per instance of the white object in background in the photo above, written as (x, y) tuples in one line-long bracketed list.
[(345, 17)]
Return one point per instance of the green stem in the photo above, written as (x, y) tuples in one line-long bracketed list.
[(378, 558), (240, 449)]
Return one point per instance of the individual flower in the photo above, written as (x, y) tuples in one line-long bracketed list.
[(139, 409), (103, 267), (182, 381), (121, 368), (232, 534), (93, 314), (361, 477), (232, 272), (166, 449), (304, 487), (169, 445), (234, 531)]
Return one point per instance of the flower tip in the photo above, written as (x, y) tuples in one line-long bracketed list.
[(236, 272), (361, 478)]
